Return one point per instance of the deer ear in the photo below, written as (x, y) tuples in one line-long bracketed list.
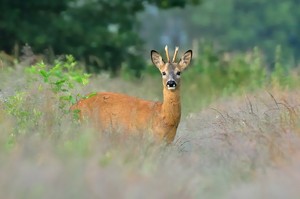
[(185, 60), (157, 59)]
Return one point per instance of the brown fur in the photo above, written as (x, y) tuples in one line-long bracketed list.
[(118, 112)]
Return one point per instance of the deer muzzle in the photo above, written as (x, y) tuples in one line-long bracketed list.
[(171, 84)]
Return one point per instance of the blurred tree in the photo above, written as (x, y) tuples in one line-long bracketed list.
[(28, 21), (231, 25), (240, 25), (103, 33)]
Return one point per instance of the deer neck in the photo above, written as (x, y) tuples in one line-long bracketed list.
[(171, 107)]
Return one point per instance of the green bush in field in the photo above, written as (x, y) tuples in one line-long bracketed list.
[(229, 73), (46, 96), (23, 111), (60, 78), (281, 75)]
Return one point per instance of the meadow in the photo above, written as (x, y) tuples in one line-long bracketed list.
[(239, 135)]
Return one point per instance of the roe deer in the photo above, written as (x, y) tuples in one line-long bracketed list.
[(118, 112)]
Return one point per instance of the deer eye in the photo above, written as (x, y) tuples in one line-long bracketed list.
[(178, 73), (163, 73)]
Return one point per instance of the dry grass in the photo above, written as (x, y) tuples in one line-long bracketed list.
[(242, 147)]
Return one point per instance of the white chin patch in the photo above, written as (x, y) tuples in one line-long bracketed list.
[(171, 88)]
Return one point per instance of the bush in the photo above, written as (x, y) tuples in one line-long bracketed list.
[(46, 95)]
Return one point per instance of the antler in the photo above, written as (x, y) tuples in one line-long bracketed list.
[(175, 53), (167, 53)]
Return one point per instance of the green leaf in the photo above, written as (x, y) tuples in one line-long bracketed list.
[(44, 73), (90, 95), (66, 98), (60, 82)]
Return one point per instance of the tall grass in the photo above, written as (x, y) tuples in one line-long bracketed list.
[(239, 136), (215, 74)]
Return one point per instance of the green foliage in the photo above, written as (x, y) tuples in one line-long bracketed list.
[(226, 149), (239, 25), (45, 85), (214, 74), (173, 3), (22, 109), (103, 34), (232, 25), (227, 72), (61, 78)]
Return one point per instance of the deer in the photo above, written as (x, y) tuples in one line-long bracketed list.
[(109, 111)]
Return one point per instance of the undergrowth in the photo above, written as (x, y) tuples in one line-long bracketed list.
[(245, 126), (45, 96)]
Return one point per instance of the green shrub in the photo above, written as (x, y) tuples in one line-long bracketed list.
[(215, 74), (46, 95)]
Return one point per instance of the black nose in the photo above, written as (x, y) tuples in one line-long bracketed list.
[(171, 83)]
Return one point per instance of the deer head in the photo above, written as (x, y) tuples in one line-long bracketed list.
[(171, 70)]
